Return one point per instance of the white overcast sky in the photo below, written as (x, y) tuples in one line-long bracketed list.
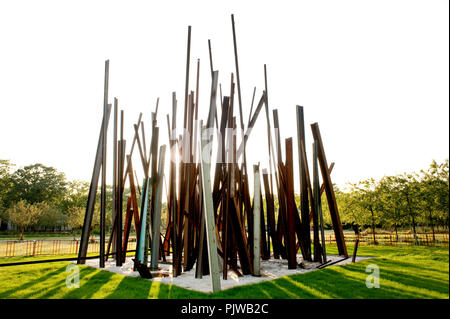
[(373, 74)]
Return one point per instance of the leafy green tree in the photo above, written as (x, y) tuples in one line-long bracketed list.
[(51, 215), (409, 189), (24, 215), (390, 203), (37, 183), (5, 183), (365, 203), (75, 218), (434, 189)]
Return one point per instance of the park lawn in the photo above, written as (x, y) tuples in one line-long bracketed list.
[(405, 272)]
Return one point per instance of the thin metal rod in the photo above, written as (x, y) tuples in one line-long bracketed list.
[(103, 187)]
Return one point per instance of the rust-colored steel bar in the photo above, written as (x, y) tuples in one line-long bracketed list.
[(331, 197), (322, 187), (269, 134), (126, 233), (135, 207), (124, 179)]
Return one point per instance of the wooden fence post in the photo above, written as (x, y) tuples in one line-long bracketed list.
[(34, 247)]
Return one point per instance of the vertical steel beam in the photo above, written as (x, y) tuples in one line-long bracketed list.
[(205, 155), (156, 225), (304, 203), (188, 57), (256, 223), (317, 200), (114, 191)]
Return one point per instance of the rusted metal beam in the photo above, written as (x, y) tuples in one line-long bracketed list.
[(332, 205), (304, 202)]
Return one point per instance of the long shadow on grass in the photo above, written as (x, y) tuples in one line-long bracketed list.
[(408, 279), (138, 288), (91, 280), (397, 263), (326, 283), (337, 284), (386, 290), (29, 284)]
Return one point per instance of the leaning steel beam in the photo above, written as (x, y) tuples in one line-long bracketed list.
[(127, 229), (103, 187), (332, 205), (212, 101), (322, 187), (92, 194), (156, 225), (141, 247), (209, 211), (131, 150), (317, 201), (250, 127)]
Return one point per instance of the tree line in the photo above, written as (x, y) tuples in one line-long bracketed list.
[(38, 197), (396, 202)]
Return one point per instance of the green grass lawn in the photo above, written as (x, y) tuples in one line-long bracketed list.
[(405, 272)]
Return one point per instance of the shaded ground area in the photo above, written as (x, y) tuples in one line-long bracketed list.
[(405, 272), (270, 269)]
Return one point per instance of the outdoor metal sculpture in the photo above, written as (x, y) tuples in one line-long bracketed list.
[(210, 218)]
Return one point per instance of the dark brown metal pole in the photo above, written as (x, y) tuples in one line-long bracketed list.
[(92, 195), (332, 205), (112, 239), (186, 90), (304, 203), (103, 187)]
